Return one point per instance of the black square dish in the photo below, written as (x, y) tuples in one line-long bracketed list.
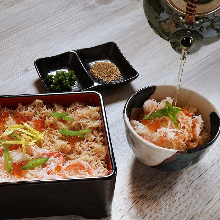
[(65, 61), (90, 197), (81, 61)]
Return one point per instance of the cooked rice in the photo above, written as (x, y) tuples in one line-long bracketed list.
[(77, 158), (162, 131)]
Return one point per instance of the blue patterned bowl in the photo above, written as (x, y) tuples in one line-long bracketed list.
[(162, 158)]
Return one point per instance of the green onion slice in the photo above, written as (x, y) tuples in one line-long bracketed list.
[(62, 115), (80, 133), (158, 113), (3, 140), (7, 159), (35, 163), (169, 111), (15, 136)]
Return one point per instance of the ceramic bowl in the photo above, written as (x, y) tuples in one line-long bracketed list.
[(87, 197), (162, 158)]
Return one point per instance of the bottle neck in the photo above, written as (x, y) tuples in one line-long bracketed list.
[(189, 40)]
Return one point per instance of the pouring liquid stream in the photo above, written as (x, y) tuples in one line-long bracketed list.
[(183, 60)]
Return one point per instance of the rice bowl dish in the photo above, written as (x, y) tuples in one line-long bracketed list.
[(185, 132), (66, 154)]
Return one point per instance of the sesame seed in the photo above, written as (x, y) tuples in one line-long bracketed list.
[(106, 71)]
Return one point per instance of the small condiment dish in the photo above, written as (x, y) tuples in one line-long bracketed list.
[(81, 61), (163, 158)]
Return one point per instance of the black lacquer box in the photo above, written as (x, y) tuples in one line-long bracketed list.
[(87, 197)]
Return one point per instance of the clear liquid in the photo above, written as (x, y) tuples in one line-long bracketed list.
[(180, 73)]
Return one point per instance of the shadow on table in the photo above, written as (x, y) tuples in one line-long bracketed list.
[(149, 186), (159, 193), (110, 94), (40, 86), (117, 93)]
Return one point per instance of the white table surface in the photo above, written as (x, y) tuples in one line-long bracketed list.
[(32, 29)]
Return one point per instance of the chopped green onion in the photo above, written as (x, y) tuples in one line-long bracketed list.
[(61, 115), (158, 113), (169, 111), (61, 81), (35, 163), (7, 159), (3, 142), (15, 136), (79, 133)]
